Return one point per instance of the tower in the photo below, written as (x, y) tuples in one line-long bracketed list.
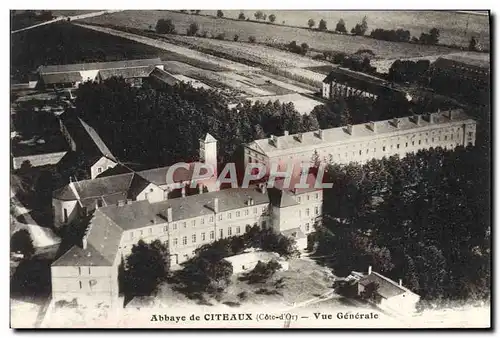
[(208, 151)]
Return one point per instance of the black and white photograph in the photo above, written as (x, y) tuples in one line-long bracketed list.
[(254, 168)]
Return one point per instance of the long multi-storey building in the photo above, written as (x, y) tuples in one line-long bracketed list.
[(363, 142), (185, 224)]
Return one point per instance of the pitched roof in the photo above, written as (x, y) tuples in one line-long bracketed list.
[(77, 67), (126, 73), (104, 235), (132, 216), (209, 138), (280, 198), (71, 77), (64, 193), (387, 287), (158, 176), (77, 256), (164, 77), (480, 60), (290, 144), (97, 140)]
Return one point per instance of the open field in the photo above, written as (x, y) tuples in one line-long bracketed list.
[(273, 33), (451, 24)]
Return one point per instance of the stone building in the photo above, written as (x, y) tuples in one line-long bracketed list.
[(90, 271), (363, 142)]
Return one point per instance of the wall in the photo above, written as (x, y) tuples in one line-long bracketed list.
[(58, 207), (152, 193), (102, 164), (39, 160), (89, 75)]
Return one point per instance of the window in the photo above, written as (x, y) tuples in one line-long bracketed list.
[(99, 170), (446, 137), (470, 134), (132, 235), (212, 235), (229, 231), (65, 212), (150, 231), (184, 240), (238, 230), (228, 215), (406, 145), (307, 226), (202, 220), (316, 210), (308, 197), (246, 212), (383, 148), (316, 196), (80, 271), (307, 212), (419, 141), (298, 199), (175, 242), (203, 237), (397, 146), (184, 224), (165, 228), (221, 233), (254, 210), (89, 271), (412, 143), (360, 152), (211, 219), (80, 284), (193, 223), (220, 217), (238, 214), (141, 232), (426, 141), (193, 238), (151, 190), (174, 226)]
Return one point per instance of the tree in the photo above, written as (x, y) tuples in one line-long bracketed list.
[(473, 44), (241, 16), (220, 14), (341, 26), (272, 18), (311, 23), (371, 292), (252, 39), (360, 28), (236, 37), (193, 29), (434, 36), (197, 11), (147, 265), (21, 242), (304, 48), (322, 25), (165, 27), (258, 15)]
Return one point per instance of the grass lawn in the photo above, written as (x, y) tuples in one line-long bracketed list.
[(304, 280)]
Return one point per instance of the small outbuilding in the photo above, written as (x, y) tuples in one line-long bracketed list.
[(248, 260)]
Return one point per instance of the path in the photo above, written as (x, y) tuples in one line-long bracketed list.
[(68, 18)]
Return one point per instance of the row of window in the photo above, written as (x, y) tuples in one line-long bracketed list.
[(211, 237), (307, 212), (307, 197)]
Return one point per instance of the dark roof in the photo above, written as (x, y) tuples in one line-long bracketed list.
[(203, 204), (65, 193), (481, 60), (164, 77), (132, 216), (98, 66), (280, 198), (137, 185), (359, 81), (104, 235), (387, 287), (126, 73), (158, 176), (61, 78), (97, 140), (76, 256)]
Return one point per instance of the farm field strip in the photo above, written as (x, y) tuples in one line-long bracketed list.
[(253, 52), (171, 47), (193, 82), (272, 33)]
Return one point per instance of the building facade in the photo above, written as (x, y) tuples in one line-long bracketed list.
[(363, 142)]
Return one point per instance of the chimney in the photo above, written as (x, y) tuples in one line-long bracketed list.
[(400, 282), (84, 242), (348, 129), (372, 126), (286, 133), (298, 137), (416, 119), (320, 134), (395, 122), (216, 205), (169, 215), (430, 118), (370, 270)]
